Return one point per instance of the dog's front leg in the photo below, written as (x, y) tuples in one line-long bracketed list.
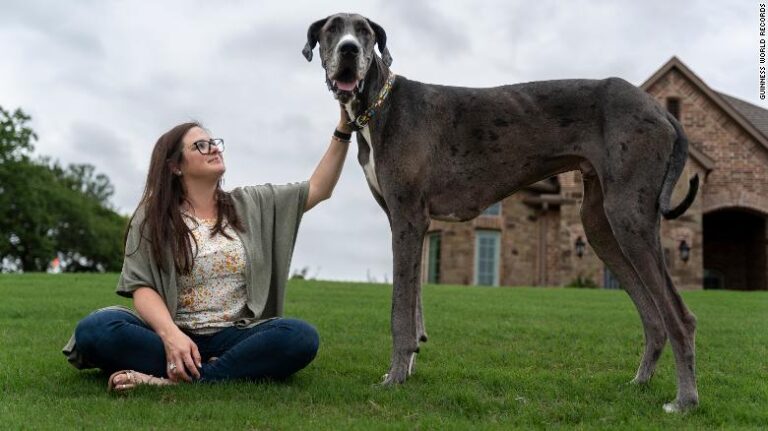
[(407, 240)]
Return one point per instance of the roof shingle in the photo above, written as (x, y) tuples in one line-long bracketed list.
[(752, 113)]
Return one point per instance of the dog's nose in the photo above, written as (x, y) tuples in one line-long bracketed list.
[(349, 49)]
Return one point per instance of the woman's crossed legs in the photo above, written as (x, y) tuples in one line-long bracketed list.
[(116, 340)]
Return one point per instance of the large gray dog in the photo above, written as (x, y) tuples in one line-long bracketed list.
[(431, 151)]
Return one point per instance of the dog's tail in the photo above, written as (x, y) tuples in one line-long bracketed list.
[(674, 170)]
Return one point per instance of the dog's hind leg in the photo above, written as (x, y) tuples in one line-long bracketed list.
[(601, 238), (635, 225), (407, 241), (421, 330)]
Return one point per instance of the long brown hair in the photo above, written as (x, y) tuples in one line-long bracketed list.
[(162, 199)]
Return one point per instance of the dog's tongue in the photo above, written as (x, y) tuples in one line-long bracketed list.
[(346, 86)]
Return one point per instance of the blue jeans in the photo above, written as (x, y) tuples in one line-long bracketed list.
[(115, 340)]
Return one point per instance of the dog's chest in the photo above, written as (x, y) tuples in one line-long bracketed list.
[(369, 167)]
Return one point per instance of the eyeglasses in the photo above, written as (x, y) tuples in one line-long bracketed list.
[(206, 146)]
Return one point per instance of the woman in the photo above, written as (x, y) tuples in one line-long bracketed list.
[(206, 270)]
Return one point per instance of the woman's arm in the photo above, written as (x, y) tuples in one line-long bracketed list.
[(179, 348), (327, 173)]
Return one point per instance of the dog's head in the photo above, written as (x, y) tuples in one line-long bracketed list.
[(346, 51)]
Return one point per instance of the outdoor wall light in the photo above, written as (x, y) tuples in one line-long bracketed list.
[(579, 245), (685, 251)]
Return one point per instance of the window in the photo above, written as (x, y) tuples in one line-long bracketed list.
[(673, 106), (609, 280), (433, 258), (492, 210), (487, 248)]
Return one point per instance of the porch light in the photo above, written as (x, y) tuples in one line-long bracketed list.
[(579, 245), (685, 251)]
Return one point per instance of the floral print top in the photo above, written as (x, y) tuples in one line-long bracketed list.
[(213, 295)]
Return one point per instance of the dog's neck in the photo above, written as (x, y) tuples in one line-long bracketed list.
[(375, 79)]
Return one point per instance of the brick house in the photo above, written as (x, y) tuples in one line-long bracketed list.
[(535, 237)]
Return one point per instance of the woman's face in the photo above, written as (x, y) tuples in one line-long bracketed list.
[(197, 165)]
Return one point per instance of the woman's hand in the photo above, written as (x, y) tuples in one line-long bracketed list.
[(344, 121), (181, 351)]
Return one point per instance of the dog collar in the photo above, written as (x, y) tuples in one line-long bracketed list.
[(362, 120)]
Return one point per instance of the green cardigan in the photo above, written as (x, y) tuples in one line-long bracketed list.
[(270, 215)]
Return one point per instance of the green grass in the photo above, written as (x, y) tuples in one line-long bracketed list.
[(497, 359)]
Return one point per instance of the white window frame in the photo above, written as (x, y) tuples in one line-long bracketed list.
[(496, 237)]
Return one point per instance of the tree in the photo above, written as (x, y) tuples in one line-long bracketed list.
[(17, 224), (46, 209), (90, 234), (84, 179), (15, 137), (26, 213)]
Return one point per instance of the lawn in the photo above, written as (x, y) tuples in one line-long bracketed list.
[(498, 358)]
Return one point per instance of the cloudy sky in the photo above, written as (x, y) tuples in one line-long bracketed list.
[(103, 79)]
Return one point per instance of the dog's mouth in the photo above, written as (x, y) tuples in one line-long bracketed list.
[(346, 82), (344, 86)]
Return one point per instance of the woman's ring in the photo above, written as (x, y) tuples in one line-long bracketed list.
[(171, 366)]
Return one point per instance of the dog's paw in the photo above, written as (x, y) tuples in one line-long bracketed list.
[(394, 377), (671, 408), (680, 407), (400, 367), (386, 381), (639, 382)]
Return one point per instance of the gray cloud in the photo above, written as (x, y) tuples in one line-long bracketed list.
[(103, 148), (428, 29), (57, 23), (266, 44)]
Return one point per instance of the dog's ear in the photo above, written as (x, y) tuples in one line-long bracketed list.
[(381, 40), (312, 36)]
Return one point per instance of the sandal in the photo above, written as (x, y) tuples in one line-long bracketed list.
[(134, 378)]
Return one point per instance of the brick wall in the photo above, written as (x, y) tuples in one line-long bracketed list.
[(741, 171), (738, 180)]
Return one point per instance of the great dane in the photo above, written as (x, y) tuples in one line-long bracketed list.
[(446, 153)]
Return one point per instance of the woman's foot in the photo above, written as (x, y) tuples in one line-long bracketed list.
[(126, 380)]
